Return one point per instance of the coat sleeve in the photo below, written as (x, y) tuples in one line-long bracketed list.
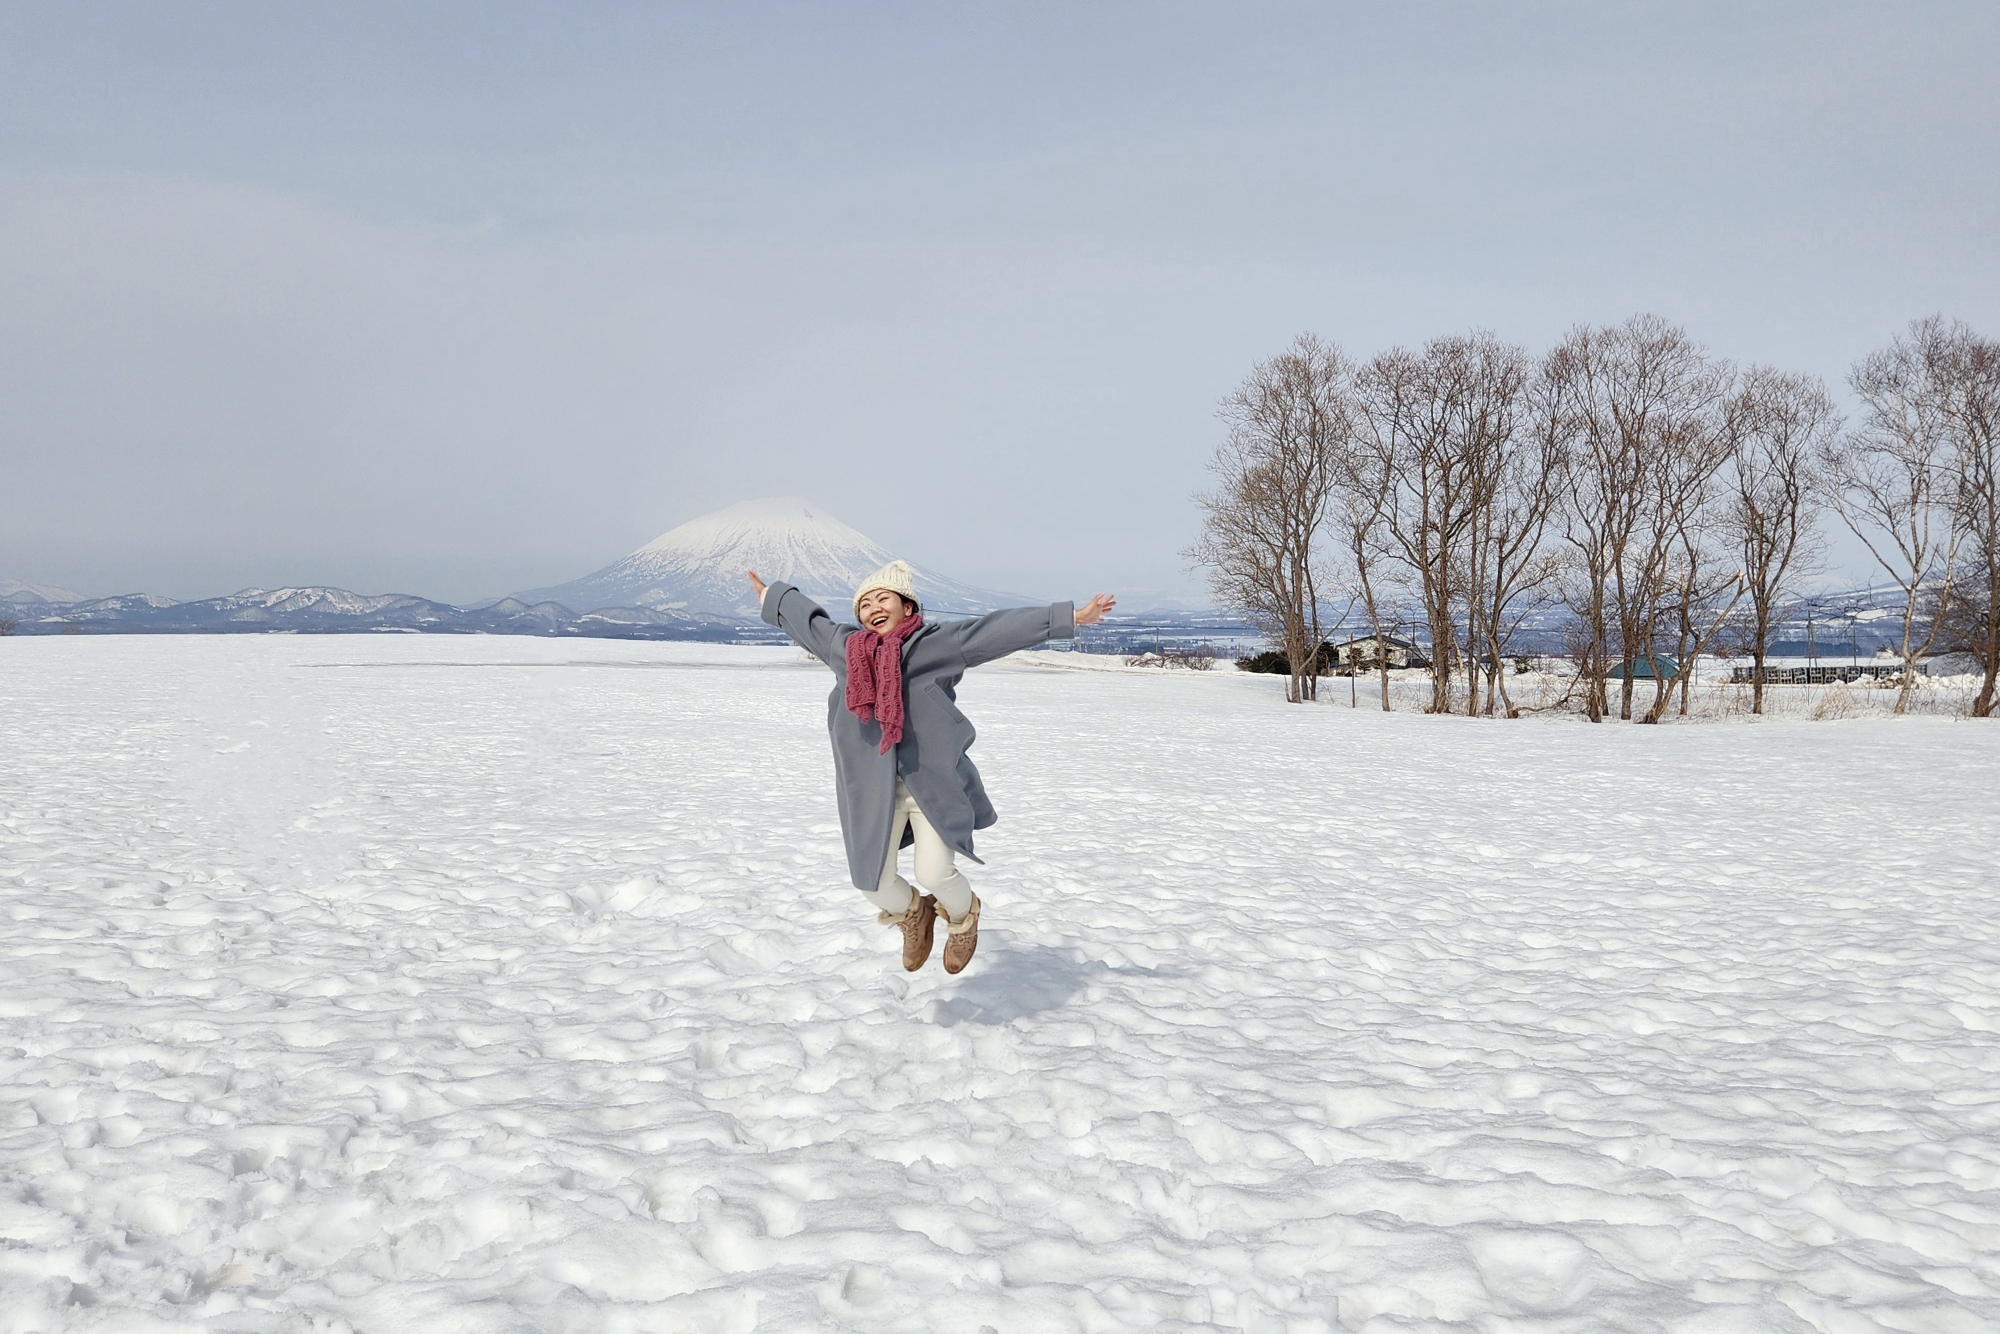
[(804, 620), (999, 633)]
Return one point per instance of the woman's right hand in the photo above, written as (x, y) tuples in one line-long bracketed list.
[(757, 584), (1093, 611)]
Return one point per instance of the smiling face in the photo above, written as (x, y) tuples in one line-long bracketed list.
[(882, 609)]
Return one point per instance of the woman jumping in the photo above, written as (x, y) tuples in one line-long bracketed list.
[(900, 769)]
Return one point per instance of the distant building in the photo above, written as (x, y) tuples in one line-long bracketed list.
[(1367, 653), (1645, 667), (1842, 674)]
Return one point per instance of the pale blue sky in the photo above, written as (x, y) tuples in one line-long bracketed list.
[(460, 298)]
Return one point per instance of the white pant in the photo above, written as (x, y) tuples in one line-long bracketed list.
[(937, 869)]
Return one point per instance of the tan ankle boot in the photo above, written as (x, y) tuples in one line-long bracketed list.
[(961, 938), (919, 924)]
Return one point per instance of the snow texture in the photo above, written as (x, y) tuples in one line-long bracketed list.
[(426, 984), (699, 566)]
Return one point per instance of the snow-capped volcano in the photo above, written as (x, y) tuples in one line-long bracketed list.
[(698, 567)]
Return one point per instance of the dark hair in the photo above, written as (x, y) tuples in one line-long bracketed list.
[(909, 604)]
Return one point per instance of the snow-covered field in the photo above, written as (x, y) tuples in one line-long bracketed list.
[(434, 984)]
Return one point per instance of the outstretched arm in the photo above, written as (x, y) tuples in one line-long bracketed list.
[(999, 633), (798, 616)]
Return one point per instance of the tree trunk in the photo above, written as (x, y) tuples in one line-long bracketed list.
[(1374, 628)]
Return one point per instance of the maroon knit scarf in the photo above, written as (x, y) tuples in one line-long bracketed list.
[(875, 677)]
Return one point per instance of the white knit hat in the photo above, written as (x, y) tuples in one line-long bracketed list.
[(896, 576)]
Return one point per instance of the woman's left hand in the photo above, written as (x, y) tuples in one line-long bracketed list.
[(1095, 610)]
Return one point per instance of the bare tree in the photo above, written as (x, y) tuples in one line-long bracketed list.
[(1516, 572), (1778, 427), (1357, 520), (1441, 424), (1703, 587), (1643, 435), (1681, 572), (1277, 473), (1966, 371), (1489, 425), (1400, 422), (1890, 480)]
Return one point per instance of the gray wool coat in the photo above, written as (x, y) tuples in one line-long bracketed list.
[(931, 757)]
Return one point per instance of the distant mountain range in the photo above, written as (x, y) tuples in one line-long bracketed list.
[(335, 610), (1827, 623), (686, 584), (689, 583)]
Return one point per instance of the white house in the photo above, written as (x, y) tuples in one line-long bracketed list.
[(1368, 653)]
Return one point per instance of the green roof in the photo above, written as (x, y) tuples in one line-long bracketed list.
[(1643, 668)]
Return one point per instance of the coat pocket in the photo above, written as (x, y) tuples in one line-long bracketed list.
[(960, 725)]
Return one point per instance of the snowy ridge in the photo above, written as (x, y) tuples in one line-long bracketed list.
[(15, 593), (698, 567)]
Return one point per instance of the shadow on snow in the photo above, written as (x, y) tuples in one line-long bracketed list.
[(1016, 980)]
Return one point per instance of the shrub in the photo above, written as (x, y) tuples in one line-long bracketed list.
[(1274, 663), (1193, 659)]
